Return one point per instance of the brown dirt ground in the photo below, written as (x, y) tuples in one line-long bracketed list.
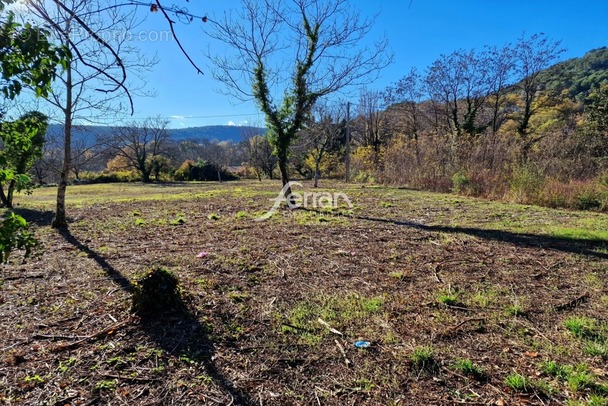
[(251, 334)]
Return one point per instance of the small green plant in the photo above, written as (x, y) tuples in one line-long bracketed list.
[(597, 349), (386, 204), (552, 368), (581, 327), (449, 297), (597, 400), (35, 379), (579, 380), (519, 383), (178, 221), (213, 217), (139, 221), (422, 357), (399, 275), (372, 305), (241, 214), (467, 367), (108, 385), (363, 385), (64, 366), (515, 310), (238, 297)]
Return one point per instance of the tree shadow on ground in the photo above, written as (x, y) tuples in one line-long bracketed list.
[(587, 247), (177, 333), (39, 217)]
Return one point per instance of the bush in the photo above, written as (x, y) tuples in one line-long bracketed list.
[(577, 195), (460, 182), (14, 234), (200, 171), (526, 184), (157, 292), (108, 177)]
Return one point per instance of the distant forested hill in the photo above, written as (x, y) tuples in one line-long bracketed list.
[(578, 75), (211, 133)]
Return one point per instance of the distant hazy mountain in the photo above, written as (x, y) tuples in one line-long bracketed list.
[(212, 133)]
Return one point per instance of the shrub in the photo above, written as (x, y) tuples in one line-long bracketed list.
[(14, 234), (108, 177), (157, 292), (460, 182), (200, 171), (526, 184)]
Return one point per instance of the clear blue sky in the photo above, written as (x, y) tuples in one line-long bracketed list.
[(418, 32)]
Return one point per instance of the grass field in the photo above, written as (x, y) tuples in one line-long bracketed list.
[(463, 301)]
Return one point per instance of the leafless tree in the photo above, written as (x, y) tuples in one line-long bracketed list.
[(94, 83), (369, 127), (532, 55), (261, 155), (286, 55), (323, 133), (138, 144)]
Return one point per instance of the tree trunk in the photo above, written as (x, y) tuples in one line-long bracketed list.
[(285, 181), (316, 174), (9, 194), (219, 175), (3, 198), (60, 220)]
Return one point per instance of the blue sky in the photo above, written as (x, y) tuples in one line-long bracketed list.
[(418, 32)]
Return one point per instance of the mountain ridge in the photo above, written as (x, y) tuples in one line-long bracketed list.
[(212, 133)]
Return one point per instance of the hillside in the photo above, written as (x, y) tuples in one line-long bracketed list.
[(578, 75), (210, 133)]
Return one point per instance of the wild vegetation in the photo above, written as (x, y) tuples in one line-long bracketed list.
[(163, 293), (177, 290)]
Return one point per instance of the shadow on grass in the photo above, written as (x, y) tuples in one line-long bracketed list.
[(179, 333), (39, 217), (588, 247)]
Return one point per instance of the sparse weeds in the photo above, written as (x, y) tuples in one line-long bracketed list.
[(467, 367), (339, 311), (449, 297), (582, 327), (423, 359), (178, 221), (576, 378), (519, 383)]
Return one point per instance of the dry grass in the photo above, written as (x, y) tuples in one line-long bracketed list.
[(251, 333)]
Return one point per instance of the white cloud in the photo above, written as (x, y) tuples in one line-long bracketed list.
[(177, 117), (231, 122)]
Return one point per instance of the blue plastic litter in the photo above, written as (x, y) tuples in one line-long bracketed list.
[(362, 344)]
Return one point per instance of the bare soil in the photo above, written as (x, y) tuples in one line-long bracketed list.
[(274, 307)]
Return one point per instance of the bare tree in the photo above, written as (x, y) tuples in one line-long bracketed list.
[(461, 83), (501, 65), (323, 133), (138, 143), (94, 83), (261, 156), (532, 56), (369, 127), (287, 55), (404, 99)]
